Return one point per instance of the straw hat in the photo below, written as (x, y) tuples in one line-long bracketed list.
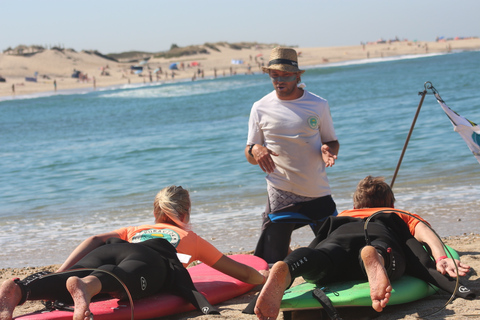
[(283, 59)]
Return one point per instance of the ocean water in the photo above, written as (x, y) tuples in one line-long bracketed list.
[(78, 163)]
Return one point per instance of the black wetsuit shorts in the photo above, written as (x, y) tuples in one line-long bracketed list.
[(139, 266)]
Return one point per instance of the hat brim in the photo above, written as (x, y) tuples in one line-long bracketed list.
[(282, 67)]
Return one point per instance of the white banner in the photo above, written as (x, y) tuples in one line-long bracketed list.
[(468, 130)]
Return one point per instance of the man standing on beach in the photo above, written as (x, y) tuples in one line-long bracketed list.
[(292, 138)]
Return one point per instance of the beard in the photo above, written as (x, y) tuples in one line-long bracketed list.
[(286, 90)]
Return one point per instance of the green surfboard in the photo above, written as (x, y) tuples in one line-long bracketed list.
[(356, 293)]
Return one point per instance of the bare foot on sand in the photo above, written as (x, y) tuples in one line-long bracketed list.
[(82, 291), (380, 287), (270, 298), (10, 296)]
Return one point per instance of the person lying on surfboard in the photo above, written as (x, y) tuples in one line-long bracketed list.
[(343, 250), (143, 258)]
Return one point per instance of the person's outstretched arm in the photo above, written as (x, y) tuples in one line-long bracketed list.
[(445, 265), (239, 270), (85, 247)]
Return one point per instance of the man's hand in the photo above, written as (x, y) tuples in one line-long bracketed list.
[(263, 157), (327, 156)]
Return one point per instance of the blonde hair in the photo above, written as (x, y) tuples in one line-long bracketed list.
[(172, 205), (373, 192)]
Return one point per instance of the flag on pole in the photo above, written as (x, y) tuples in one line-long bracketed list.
[(468, 130)]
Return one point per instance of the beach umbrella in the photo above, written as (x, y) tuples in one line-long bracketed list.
[(173, 66), (138, 71), (194, 64)]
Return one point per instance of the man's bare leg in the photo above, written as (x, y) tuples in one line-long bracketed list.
[(82, 291), (10, 296), (380, 287), (270, 298)]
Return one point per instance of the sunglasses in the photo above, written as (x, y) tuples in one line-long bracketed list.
[(284, 79)]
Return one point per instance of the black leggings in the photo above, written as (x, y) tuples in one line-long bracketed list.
[(274, 241), (138, 265), (337, 258)]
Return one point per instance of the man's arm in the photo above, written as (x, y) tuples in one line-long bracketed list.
[(250, 159), (444, 265)]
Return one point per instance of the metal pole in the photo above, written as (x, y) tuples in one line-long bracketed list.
[(424, 93)]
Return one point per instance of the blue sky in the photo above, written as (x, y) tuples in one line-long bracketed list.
[(147, 25)]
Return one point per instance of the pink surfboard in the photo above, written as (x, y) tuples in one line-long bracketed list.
[(214, 285)]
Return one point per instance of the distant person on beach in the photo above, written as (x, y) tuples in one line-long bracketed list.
[(292, 138), (144, 258), (340, 252)]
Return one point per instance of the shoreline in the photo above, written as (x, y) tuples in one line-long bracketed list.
[(137, 85), (54, 68), (466, 245)]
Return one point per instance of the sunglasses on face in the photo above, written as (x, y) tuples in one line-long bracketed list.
[(284, 79)]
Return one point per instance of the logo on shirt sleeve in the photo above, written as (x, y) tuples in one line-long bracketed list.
[(313, 122), (167, 234)]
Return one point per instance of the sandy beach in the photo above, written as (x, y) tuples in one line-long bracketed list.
[(466, 245), (52, 69)]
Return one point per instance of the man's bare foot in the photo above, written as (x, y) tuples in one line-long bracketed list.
[(380, 287), (270, 298), (10, 296), (82, 291)]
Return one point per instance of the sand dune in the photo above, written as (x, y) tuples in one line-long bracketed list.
[(59, 65)]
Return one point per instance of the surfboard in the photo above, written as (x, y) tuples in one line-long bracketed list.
[(356, 293), (214, 285)]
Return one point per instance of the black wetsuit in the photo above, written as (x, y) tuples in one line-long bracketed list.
[(334, 255), (145, 268)]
